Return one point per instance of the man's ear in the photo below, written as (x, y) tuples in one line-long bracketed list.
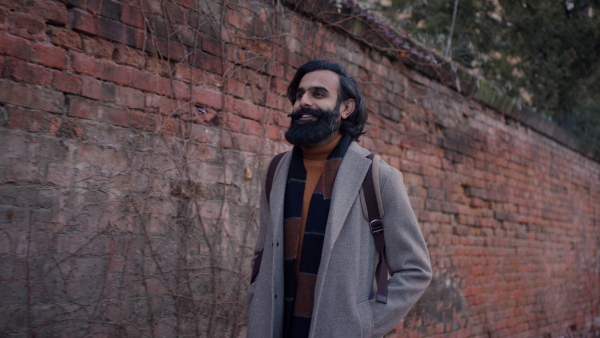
[(347, 108)]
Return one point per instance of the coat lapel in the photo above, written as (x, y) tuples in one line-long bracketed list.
[(347, 184)]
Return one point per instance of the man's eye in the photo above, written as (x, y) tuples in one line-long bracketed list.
[(318, 94)]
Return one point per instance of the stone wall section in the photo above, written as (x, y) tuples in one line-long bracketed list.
[(134, 134)]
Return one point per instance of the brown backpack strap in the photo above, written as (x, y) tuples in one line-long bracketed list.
[(273, 166), (271, 174), (373, 209)]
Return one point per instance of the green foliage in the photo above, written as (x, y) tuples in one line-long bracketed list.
[(546, 52)]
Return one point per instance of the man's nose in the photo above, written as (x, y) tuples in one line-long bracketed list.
[(305, 101)]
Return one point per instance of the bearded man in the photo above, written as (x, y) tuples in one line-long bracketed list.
[(316, 257)]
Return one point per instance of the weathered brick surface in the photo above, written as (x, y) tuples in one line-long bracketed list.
[(134, 135)]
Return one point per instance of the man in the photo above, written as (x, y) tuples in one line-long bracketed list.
[(317, 253)]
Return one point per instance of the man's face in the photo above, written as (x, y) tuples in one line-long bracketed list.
[(316, 112)]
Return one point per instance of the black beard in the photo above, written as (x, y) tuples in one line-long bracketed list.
[(305, 133)]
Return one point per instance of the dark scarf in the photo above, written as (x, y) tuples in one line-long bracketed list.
[(299, 293)]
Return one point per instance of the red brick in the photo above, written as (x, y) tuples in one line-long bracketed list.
[(231, 122), (245, 109), (4, 14), (235, 54), (206, 61), (83, 21), (53, 12), (212, 46), (249, 143), (70, 128), (236, 19), (102, 27), (159, 66), (11, 4), (66, 82), (21, 71), (50, 56), (31, 97), (96, 89), (181, 90), (278, 102), (20, 170), (168, 127), (168, 49), (187, 3), (131, 15), (28, 27), (252, 127), (279, 86), (102, 69), (98, 47), (149, 6), (32, 121), (129, 56), (178, 14), (87, 65), (292, 59), (258, 62), (16, 46), (143, 121), (235, 87), (162, 105), (129, 97), (461, 230), (83, 108), (94, 110), (106, 8), (65, 38), (273, 133), (118, 74), (150, 82), (207, 97), (207, 117), (186, 73), (115, 115)]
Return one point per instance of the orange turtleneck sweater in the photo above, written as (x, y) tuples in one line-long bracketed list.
[(314, 162)]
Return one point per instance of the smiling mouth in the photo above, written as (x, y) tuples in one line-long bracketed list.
[(307, 117)]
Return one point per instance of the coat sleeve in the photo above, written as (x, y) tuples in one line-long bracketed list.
[(406, 252)]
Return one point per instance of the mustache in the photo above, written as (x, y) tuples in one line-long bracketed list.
[(318, 113)]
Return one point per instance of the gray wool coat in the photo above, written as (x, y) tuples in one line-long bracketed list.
[(344, 304)]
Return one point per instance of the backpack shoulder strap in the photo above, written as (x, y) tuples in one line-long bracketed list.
[(271, 173), (373, 211), (370, 191)]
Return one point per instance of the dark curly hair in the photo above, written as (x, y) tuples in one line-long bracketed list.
[(354, 124)]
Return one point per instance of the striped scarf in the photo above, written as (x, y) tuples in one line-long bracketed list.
[(299, 290)]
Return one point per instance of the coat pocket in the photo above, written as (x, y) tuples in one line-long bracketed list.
[(366, 318)]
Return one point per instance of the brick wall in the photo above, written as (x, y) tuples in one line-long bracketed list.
[(134, 133)]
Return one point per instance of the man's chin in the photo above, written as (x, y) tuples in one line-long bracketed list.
[(309, 132), (304, 139)]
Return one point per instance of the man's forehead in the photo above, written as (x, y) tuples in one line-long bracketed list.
[(320, 78)]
